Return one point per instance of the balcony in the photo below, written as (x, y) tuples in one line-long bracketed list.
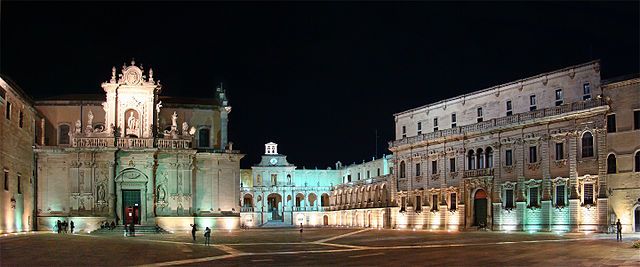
[(478, 173), (174, 143), (246, 209), (516, 119)]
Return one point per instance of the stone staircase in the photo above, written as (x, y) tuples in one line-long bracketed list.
[(140, 229), (276, 224)]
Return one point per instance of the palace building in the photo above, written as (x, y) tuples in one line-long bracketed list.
[(559, 151)]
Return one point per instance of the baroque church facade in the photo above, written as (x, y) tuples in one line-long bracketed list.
[(559, 151)]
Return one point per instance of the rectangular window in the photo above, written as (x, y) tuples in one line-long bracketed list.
[(532, 102), (559, 97), (19, 185), (559, 151), (611, 123), (636, 119), (378, 171), (418, 203), (533, 196), (586, 91), (434, 167), (453, 202), (435, 124), (508, 157), (6, 180), (403, 202), (588, 194), (452, 164), (509, 108), (508, 198), (417, 169), (454, 121), (21, 119), (419, 128), (8, 111), (533, 156), (358, 176), (434, 202), (404, 131), (349, 178), (368, 174), (560, 195), (479, 113)]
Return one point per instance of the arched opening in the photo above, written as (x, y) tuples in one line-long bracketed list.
[(587, 145), (489, 157), (480, 208), (637, 219), (63, 134), (247, 201), (471, 158), (203, 137), (312, 199), (611, 163), (274, 205), (324, 200), (299, 200), (325, 220), (132, 123), (480, 156), (403, 170)]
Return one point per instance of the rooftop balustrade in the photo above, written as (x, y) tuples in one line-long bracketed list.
[(135, 143)]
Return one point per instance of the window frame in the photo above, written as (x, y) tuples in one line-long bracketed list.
[(612, 168), (454, 120), (611, 121), (584, 193), (556, 195), (404, 131), (531, 201), (452, 164), (586, 91), (480, 114), (60, 135), (587, 151), (453, 201), (559, 100), (509, 202), (532, 103), (417, 171), (533, 154), (434, 167), (8, 109), (559, 156), (419, 131), (508, 157), (403, 169), (509, 107)]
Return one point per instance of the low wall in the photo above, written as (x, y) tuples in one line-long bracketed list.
[(82, 224), (184, 223)]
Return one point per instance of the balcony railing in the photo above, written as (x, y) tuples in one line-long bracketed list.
[(521, 118), (478, 172), (133, 143), (246, 209)]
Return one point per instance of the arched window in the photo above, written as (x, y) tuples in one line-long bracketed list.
[(471, 160), (637, 160), (587, 145), (611, 163), (489, 157), (203, 137), (402, 170), (63, 134), (480, 156)]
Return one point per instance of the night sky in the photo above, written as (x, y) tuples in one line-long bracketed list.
[(316, 78)]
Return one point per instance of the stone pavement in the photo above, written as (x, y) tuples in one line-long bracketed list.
[(320, 247)]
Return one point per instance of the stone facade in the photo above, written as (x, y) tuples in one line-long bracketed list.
[(18, 128), (133, 155)]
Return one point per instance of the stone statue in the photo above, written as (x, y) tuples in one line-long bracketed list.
[(161, 194), (78, 127), (101, 193), (185, 128), (90, 116), (158, 106), (174, 120), (131, 122)]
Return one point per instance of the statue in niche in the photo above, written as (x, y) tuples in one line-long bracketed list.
[(101, 193), (179, 183), (162, 194), (90, 118), (81, 205), (131, 123), (78, 127)]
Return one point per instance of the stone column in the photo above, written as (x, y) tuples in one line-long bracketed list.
[(497, 169), (546, 201), (519, 161), (573, 165), (443, 179), (602, 201)]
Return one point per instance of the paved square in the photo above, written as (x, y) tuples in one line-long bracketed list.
[(318, 247)]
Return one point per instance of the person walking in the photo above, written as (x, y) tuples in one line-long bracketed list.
[(193, 231), (59, 225), (619, 231), (132, 230), (72, 226), (207, 236), (301, 229), (126, 229)]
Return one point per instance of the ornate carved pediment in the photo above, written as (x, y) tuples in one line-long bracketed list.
[(509, 185), (533, 166), (508, 141), (559, 181), (131, 175), (533, 182)]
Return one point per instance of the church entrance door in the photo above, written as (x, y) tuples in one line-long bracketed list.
[(480, 208), (131, 206), (274, 202)]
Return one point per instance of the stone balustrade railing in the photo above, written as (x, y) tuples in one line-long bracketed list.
[(521, 118), (478, 172), (134, 143)]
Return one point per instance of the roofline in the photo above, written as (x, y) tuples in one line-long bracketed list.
[(17, 88), (597, 61)]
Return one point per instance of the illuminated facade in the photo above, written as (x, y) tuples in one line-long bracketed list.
[(134, 156), (275, 193), (527, 155)]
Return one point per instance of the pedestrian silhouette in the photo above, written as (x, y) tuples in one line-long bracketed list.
[(72, 226), (619, 231), (207, 236), (193, 231)]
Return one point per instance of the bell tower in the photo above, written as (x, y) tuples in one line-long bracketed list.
[(131, 102)]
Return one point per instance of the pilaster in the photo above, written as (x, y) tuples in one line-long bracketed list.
[(573, 168)]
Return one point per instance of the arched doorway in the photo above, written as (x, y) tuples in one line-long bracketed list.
[(480, 208), (637, 219), (325, 220), (274, 202)]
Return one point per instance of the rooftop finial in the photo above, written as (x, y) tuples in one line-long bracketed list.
[(151, 74), (133, 61), (113, 74)]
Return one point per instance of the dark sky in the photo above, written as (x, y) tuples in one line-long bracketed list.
[(317, 78)]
